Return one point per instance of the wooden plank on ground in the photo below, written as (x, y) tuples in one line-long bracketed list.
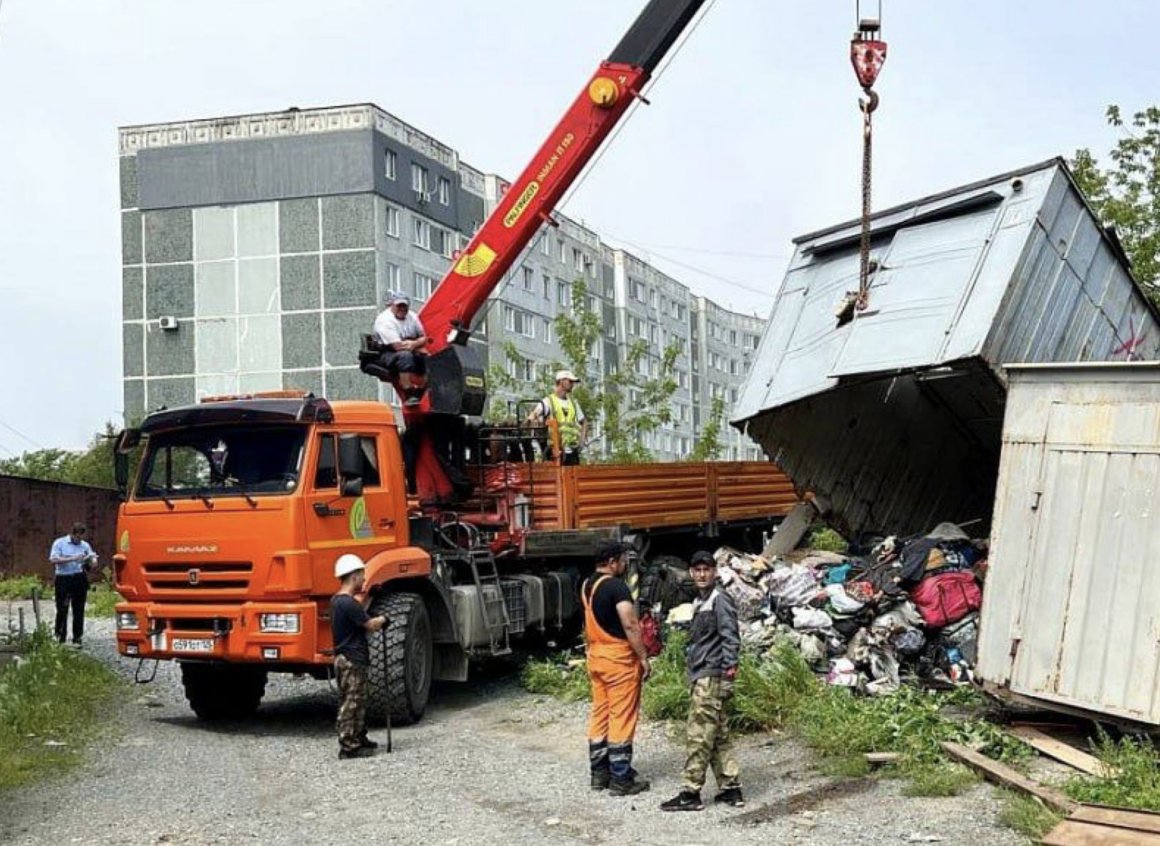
[(875, 759), (1004, 776), (1061, 751), (1072, 833), (1118, 817)]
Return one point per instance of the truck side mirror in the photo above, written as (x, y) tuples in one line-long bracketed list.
[(123, 444), (350, 464)]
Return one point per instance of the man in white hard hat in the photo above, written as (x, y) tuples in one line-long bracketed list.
[(349, 624), (570, 421)]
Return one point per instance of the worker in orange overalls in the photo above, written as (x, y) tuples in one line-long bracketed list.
[(617, 666)]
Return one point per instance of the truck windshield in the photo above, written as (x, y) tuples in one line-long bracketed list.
[(221, 461)]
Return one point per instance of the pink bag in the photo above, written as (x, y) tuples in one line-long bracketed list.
[(947, 598)]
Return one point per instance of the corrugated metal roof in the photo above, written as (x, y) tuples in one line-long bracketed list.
[(1011, 268)]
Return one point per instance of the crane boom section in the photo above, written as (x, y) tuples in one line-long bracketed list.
[(528, 202)]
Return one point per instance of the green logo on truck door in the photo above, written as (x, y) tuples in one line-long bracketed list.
[(360, 521)]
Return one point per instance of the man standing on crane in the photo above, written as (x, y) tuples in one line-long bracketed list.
[(571, 425), (403, 340), (617, 667)]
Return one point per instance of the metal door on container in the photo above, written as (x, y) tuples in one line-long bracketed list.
[(1089, 635), (337, 524)]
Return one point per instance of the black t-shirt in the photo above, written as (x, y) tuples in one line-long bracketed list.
[(612, 592), (348, 625)]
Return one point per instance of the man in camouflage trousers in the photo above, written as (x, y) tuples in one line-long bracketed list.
[(712, 655), (349, 623)]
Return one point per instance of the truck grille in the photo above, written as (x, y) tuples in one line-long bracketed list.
[(202, 576)]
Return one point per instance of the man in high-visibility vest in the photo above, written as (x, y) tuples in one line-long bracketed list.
[(570, 421), (617, 667)]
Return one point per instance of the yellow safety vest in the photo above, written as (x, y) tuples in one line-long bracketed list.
[(564, 411)]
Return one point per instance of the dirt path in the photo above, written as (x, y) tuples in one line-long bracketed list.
[(488, 765)]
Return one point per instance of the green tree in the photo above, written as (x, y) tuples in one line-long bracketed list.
[(709, 446), (1126, 193), (626, 404), (92, 466)]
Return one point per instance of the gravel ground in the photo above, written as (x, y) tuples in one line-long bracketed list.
[(489, 764)]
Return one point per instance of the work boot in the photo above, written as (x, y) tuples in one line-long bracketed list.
[(730, 796), (361, 752), (627, 787), (367, 743), (601, 779), (686, 800)]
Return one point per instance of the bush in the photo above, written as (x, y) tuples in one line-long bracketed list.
[(560, 676), (102, 600), (49, 705), (1028, 816), (20, 587), (825, 539)]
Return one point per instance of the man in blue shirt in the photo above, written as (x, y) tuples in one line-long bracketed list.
[(71, 555)]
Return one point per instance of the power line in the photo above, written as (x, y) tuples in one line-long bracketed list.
[(16, 431), (699, 270)]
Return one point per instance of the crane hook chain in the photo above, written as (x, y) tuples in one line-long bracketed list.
[(867, 104)]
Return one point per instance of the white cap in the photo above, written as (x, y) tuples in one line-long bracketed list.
[(347, 564), (567, 374), (398, 298)]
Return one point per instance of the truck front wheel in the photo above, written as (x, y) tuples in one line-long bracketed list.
[(400, 677), (223, 691)]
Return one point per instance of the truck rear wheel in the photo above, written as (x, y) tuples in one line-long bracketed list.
[(223, 691), (400, 679)]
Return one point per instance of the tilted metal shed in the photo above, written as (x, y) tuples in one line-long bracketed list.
[(1071, 613), (894, 419)]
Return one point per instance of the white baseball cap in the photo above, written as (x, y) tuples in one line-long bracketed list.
[(398, 298), (347, 564), (567, 374)]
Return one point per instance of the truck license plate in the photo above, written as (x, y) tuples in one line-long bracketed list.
[(186, 644)]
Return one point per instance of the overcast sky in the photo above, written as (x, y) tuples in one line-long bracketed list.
[(752, 137)]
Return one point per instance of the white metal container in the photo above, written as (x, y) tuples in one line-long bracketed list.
[(1071, 611)]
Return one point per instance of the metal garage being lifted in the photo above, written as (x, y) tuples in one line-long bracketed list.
[(891, 415)]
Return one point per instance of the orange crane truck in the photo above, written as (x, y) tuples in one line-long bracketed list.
[(228, 534)]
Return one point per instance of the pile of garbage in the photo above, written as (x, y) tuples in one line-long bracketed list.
[(907, 612)]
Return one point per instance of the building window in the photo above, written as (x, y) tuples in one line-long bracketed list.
[(609, 290), (444, 190), (546, 284), (547, 331), (733, 337), (521, 368), (394, 276), (732, 367), (682, 379), (733, 395), (424, 286), (563, 251), (421, 236), (448, 242), (392, 221), (563, 293), (518, 322), (390, 164), (636, 290), (419, 178), (578, 259), (545, 245), (529, 279), (652, 297)]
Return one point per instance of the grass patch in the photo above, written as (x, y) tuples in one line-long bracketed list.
[(102, 600), (558, 676), (1136, 783), (938, 780), (53, 697), (1028, 816), (20, 587)]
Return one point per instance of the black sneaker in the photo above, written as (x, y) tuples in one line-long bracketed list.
[(347, 754), (730, 796), (628, 787), (601, 779), (686, 800)]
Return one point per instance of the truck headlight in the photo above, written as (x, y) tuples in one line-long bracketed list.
[(281, 623), (127, 620)]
